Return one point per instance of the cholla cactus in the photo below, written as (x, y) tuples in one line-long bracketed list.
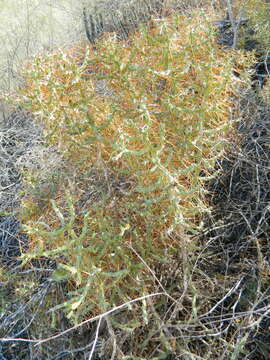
[(119, 16)]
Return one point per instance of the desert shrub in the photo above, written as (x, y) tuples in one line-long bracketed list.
[(139, 125)]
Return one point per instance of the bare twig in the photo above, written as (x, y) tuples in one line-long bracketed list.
[(95, 340), (152, 272), (101, 316), (234, 22)]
